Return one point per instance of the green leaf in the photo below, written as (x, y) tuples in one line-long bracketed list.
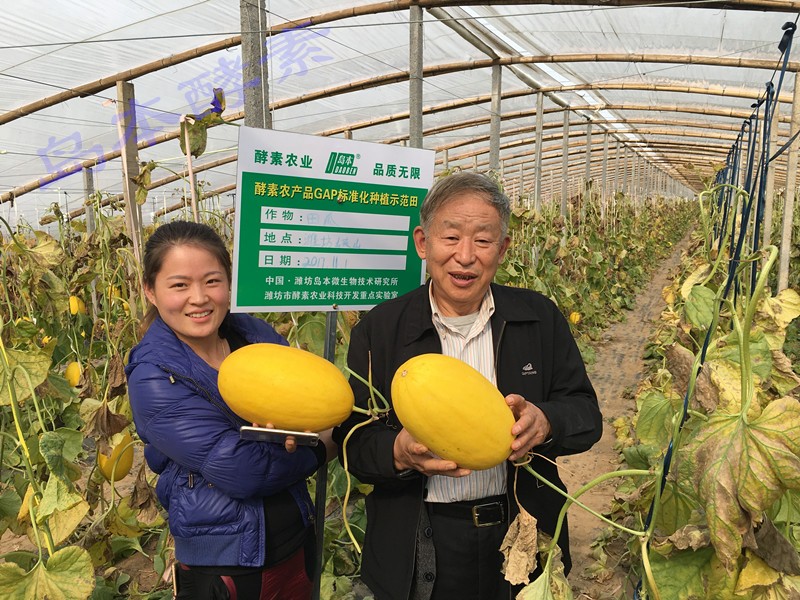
[(654, 422), (675, 510), (57, 496), (642, 456), (10, 503), (700, 306), (35, 361), (59, 449), (67, 576), (682, 574)]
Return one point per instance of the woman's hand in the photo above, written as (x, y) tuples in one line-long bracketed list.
[(290, 443)]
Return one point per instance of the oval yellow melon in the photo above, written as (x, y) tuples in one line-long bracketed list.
[(73, 373), (454, 410), (288, 387), (121, 454)]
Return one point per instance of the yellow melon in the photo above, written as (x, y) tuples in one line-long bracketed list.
[(73, 373), (76, 305), (454, 410), (121, 455), (287, 387)]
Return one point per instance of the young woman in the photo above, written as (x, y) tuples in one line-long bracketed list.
[(239, 510)]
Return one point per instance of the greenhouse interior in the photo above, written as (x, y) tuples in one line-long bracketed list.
[(649, 151)]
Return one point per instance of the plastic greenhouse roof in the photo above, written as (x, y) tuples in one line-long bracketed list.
[(674, 81)]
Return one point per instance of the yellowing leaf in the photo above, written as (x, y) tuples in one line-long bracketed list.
[(775, 314), (696, 277), (727, 379), (47, 253), (743, 469), (756, 573), (35, 361), (67, 576)]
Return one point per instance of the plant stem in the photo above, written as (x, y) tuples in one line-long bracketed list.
[(572, 498)]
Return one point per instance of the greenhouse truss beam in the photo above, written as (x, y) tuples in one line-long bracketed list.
[(165, 137)]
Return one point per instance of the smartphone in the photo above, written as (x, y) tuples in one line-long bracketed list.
[(262, 434)]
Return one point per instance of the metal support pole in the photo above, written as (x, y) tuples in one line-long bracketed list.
[(521, 183), (494, 122), (255, 64), (415, 66), (565, 165), (791, 191), (537, 186)]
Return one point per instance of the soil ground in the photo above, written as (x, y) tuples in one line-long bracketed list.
[(615, 374)]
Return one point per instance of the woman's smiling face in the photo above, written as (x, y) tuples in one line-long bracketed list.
[(192, 294)]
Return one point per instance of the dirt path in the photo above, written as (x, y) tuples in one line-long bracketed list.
[(617, 370)]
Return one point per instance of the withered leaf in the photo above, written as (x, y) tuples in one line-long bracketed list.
[(775, 550), (116, 377), (102, 424), (519, 548), (143, 499), (690, 536), (679, 364)]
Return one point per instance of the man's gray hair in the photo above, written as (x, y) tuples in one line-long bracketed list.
[(447, 187)]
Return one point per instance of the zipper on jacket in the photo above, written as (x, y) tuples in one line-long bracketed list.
[(223, 407), (191, 480), (497, 351)]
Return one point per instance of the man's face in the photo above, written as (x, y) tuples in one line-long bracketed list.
[(463, 246)]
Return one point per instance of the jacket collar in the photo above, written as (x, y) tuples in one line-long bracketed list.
[(508, 307)]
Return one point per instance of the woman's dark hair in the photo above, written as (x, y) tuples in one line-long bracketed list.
[(170, 235)]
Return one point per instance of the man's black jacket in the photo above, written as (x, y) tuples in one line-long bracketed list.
[(535, 356)]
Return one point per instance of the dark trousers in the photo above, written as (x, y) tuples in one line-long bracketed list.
[(467, 562), (285, 581)]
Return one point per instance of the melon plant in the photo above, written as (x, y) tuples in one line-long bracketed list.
[(287, 387), (454, 410)]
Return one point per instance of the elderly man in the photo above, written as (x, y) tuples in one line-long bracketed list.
[(434, 529)]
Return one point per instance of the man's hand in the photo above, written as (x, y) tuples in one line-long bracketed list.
[(531, 429), (410, 454)]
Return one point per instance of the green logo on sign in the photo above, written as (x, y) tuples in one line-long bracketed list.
[(340, 163)]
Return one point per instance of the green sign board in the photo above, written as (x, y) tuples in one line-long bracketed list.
[(325, 223)]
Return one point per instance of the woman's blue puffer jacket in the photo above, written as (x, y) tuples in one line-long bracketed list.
[(211, 482)]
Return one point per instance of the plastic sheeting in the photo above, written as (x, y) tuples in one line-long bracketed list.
[(50, 47)]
